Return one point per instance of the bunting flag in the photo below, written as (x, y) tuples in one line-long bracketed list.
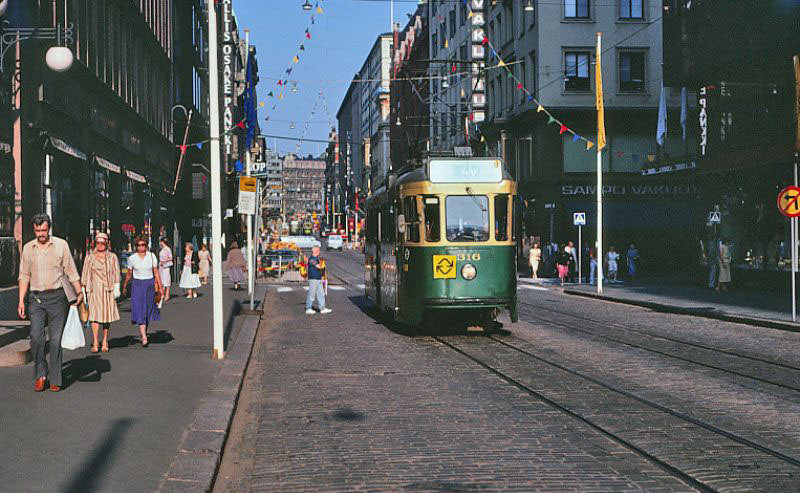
[(183, 149), (319, 10), (308, 34), (550, 119), (261, 104), (539, 108), (289, 70), (589, 144), (280, 82), (296, 59), (200, 145), (563, 129), (302, 47), (446, 43), (241, 124), (576, 138), (271, 94)]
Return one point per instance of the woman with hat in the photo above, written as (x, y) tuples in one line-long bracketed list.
[(100, 275)]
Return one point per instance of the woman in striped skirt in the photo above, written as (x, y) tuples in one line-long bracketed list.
[(100, 275)]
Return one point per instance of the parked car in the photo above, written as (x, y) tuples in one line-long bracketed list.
[(302, 241), (335, 242)]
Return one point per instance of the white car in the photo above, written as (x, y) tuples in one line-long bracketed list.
[(302, 241), (335, 242)]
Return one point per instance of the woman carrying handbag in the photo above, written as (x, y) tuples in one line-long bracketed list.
[(99, 278), (146, 289)]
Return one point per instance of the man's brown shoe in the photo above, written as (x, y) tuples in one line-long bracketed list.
[(55, 388), (38, 386)]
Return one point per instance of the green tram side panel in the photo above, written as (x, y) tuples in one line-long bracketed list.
[(494, 287)]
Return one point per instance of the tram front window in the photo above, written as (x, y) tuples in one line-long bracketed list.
[(467, 218)]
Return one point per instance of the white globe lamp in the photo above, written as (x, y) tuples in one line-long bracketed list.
[(59, 58)]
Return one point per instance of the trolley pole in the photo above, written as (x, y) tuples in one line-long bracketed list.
[(216, 184)]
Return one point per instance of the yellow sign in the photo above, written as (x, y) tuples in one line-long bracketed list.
[(444, 266), (247, 184)]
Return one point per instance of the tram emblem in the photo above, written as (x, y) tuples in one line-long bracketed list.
[(444, 266)]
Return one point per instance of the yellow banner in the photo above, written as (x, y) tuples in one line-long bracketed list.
[(601, 118)]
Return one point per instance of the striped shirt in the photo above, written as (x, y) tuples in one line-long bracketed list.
[(42, 265)]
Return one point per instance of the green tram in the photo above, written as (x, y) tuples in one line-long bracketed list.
[(440, 243)]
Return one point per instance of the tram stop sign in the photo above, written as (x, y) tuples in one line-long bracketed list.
[(579, 219), (789, 201)]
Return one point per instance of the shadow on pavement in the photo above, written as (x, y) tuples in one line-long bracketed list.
[(438, 327), (88, 369), (157, 337), (95, 464)]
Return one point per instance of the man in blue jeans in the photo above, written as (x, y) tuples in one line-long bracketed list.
[(316, 271)]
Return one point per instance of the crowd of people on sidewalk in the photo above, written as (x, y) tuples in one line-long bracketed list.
[(562, 261), (50, 286)]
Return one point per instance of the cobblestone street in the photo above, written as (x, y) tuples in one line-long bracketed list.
[(579, 395)]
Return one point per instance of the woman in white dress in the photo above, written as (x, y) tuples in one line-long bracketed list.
[(190, 280), (164, 265), (612, 258)]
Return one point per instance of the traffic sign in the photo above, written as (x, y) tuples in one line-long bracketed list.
[(579, 219), (789, 201), (714, 217)]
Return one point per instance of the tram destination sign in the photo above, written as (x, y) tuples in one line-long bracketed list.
[(465, 171)]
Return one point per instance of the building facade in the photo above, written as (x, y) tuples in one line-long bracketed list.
[(374, 112), (303, 184), (551, 51), (272, 202)]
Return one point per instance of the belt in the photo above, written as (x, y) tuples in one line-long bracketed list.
[(48, 291)]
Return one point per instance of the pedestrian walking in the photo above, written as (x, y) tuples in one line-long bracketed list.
[(633, 259), (563, 259), (534, 258), (612, 262), (47, 275), (316, 274), (711, 256), (573, 261), (235, 265), (595, 269), (724, 266), (99, 278), (190, 278), (165, 263), (143, 269), (205, 263)]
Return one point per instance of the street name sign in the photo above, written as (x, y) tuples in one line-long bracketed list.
[(789, 201), (579, 219)]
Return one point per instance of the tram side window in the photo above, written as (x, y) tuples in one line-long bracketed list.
[(387, 220), (412, 219), (501, 208), (431, 212), (372, 225)]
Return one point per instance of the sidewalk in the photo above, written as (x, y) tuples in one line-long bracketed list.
[(755, 307), (119, 421)]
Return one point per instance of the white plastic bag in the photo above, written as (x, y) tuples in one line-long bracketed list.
[(117, 292), (72, 338)]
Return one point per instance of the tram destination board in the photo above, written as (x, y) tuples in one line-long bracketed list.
[(465, 171)]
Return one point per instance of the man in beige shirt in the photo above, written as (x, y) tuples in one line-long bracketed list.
[(44, 261)]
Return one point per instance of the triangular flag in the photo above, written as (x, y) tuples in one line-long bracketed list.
[(589, 144), (530, 98), (280, 95), (302, 48), (519, 85), (319, 10), (463, 94), (296, 59), (446, 43), (308, 34), (453, 69), (550, 120), (271, 94), (199, 145), (280, 82), (469, 16), (483, 139), (539, 108), (563, 129), (651, 157), (501, 63), (576, 138), (261, 104), (240, 124), (183, 149), (289, 70), (484, 40)]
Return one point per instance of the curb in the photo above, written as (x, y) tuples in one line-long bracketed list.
[(200, 452), (716, 315)]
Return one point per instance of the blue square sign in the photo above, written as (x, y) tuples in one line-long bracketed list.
[(579, 219)]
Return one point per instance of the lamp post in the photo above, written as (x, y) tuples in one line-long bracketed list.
[(59, 58)]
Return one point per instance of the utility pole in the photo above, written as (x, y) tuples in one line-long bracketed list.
[(249, 217), (216, 184)]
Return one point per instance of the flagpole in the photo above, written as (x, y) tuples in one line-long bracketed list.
[(600, 144), (216, 183)]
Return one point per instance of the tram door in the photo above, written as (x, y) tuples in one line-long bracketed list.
[(388, 258)]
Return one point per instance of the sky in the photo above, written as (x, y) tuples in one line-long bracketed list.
[(341, 38)]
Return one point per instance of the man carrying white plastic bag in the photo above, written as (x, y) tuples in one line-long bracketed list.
[(73, 331)]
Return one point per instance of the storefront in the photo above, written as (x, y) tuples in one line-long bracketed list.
[(64, 194)]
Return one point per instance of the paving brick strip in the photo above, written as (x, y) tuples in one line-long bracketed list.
[(716, 315), (199, 454)]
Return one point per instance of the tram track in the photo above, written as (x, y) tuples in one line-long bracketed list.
[(738, 446), (647, 334)]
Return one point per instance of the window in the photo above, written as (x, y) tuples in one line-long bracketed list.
[(452, 18), (462, 51), (434, 43), (501, 208), (412, 219), (631, 9), (631, 72), (462, 9), (467, 217), (576, 71), (443, 34), (431, 213), (576, 9)]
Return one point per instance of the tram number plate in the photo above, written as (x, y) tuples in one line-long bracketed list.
[(444, 266)]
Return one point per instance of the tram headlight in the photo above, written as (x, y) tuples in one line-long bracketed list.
[(469, 272)]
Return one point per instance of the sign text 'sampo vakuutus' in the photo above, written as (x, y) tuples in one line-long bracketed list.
[(228, 60)]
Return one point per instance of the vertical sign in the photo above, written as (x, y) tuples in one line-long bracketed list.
[(228, 60), (478, 101), (702, 102)]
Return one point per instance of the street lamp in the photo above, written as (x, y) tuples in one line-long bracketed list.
[(529, 6), (306, 6), (58, 58)]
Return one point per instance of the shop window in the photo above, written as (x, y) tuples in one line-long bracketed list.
[(431, 217), (412, 219), (576, 70), (6, 196), (501, 208), (576, 9)]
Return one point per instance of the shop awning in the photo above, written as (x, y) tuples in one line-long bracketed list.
[(105, 163), (67, 148)]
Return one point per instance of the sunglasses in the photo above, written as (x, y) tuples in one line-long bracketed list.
[(141, 244)]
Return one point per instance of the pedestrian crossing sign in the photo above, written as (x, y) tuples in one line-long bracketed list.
[(714, 217), (579, 219)]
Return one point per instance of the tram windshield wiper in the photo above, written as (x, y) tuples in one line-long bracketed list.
[(474, 198)]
